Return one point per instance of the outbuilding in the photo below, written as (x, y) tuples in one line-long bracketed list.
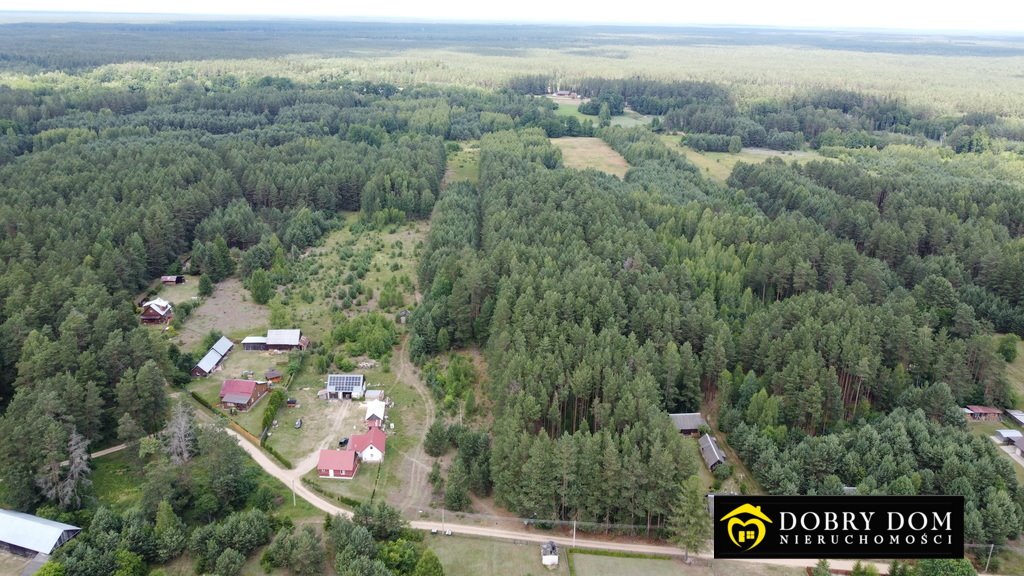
[(712, 454), (28, 535), (1007, 436), (688, 423), (337, 464)]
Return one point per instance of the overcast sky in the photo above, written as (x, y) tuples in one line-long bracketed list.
[(975, 15)]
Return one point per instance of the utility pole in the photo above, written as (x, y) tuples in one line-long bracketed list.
[(442, 518), (574, 533), (990, 548), (293, 492)]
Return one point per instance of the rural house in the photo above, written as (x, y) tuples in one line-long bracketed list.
[(337, 464), (709, 450), (688, 423), (983, 413), (370, 446), (156, 311), (28, 535), (171, 280), (344, 386), (241, 394), (286, 340), (375, 413)]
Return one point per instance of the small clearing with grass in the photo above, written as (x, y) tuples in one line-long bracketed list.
[(178, 293), (464, 164), (718, 165), (462, 556), (1015, 376), (229, 310), (583, 153)]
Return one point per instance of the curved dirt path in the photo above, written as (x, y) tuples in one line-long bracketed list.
[(415, 468)]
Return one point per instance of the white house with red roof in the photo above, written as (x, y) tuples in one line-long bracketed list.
[(370, 446), (337, 464), (241, 394)]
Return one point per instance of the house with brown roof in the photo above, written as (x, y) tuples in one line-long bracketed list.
[(688, 423), (172, 280), (273, 375), (370, 446), (337, 464), (156, 311), (241, 394), (983, 413)]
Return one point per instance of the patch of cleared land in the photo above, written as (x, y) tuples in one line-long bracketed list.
[(463, 556), (583, 153), (464, 164), (178, 293), (12, 564), (1015, 376), (229, 310), (571, 107), (718, 165)]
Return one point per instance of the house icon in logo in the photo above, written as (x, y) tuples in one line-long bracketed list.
[(746, 526)]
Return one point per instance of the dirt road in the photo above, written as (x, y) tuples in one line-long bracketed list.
[(415, 468)]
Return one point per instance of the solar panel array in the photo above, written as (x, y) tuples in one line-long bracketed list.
[(344, 382)]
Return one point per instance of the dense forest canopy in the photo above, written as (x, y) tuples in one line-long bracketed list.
[(829, 316)]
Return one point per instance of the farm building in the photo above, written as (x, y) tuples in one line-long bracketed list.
[(337, 464), (983, 413), (689, 423), (273, 375), (1016, 416), (709, 450), (213, 358), (370, 446), (173, 279), (549, 554), (28, 535), (1007, 436), (344, 386), (375, 413), (254, 343), (286, 340), (374, 395), (156, 311), (241, 394), (1018, 446)]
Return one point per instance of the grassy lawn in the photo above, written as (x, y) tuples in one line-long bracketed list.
[(572, 108), (117, 479), (323, 424), (465, 164), (1015, 376), (178, 293), (463, 556), (583, 153)]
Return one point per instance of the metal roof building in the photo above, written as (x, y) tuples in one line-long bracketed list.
[(342, 385), (25, 533), (283, 337), (688, 423), (713, 455), (223, 346)]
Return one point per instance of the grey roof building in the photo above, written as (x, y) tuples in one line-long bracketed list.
[(26, 534), (223, 346), (345, 386), (709, 450), (688, 423)]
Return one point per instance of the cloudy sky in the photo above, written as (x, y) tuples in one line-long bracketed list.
[(977, 15)]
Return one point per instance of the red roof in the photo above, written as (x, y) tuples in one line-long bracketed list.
[(238, 387), (984, 410), (344, 460), (373, 437)]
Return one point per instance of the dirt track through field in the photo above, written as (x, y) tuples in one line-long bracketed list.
[(415, 493)]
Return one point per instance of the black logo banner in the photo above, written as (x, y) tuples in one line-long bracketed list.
[(839, 526)]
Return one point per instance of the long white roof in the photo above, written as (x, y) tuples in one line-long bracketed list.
[(223, 345), (210, 361), (283, 337), (32, 532), (375, 408)]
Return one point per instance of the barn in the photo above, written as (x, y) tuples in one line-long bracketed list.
[(286, 340), (254, 343), (688, 423), (28, 535), (709, 450), (156, 311), (344, 386), (172, 279), (241, 394)]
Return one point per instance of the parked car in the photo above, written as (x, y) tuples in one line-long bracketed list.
[(433, 530), (343, 442), (298, 423), (447, 532)]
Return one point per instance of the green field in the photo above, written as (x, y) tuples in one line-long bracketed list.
[(178, 293), (1015, 376), (583, 153), (462, 556), (117, 479), (718, 165), (628, 119), (464, 165)]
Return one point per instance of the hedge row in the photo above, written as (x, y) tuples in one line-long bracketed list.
[(343, 499)]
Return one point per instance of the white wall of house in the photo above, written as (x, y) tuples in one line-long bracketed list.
[(372, 454)]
